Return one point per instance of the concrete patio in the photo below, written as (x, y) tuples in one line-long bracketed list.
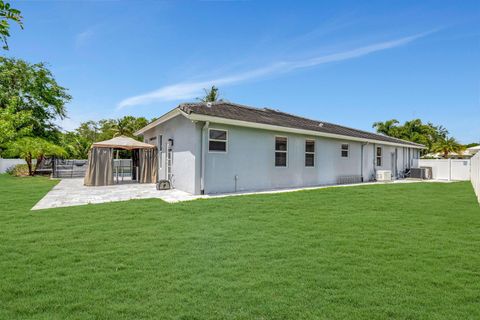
[(72, 192)]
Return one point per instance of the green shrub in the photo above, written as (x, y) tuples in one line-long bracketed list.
[(19, 170)]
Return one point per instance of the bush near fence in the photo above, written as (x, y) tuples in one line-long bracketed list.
[(18, 170)]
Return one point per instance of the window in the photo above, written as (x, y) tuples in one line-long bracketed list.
[(217, 140), (160, 149), (309, 153), (280, 151), (160, 143), (379, 156), (345, 150)]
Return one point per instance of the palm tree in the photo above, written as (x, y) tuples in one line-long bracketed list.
[(125, 126), (388, 127), (211, 95), (447, 145)]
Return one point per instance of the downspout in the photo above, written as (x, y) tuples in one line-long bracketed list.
[(361, 161), (202, 167)]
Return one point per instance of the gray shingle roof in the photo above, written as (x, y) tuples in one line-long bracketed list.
[(229, 110)]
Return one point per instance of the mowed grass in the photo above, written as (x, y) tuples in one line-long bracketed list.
[(398, 251)]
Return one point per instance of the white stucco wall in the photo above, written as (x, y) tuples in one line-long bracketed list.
[(251, 153), (250, 157), (402, 157), (186, 146)]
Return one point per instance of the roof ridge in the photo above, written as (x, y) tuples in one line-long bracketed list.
[(222, 102)]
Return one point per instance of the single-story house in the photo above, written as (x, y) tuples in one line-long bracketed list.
[(221, 147)]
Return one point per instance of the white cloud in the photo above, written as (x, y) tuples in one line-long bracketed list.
[(187, 90)]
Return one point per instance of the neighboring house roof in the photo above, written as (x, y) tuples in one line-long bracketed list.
[(274, 119), (122, 142)]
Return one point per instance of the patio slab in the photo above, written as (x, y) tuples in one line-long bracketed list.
[(72, 192)]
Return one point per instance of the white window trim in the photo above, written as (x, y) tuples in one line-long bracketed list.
[(308, 152), (226, 141), (377, 156), (275, 151), (348, 150)]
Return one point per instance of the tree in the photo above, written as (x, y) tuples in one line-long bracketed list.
[(388, 127), (32, 88), (127, 125), (29, 149), (211, 95), (414, 130), (13, 124), (75, 145), (88, 130), (447, 145), (473, 144), (8, 13), (106, 129)]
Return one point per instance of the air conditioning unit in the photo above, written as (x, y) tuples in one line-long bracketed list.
[(384, 175)]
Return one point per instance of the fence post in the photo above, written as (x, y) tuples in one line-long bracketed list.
[(54, 173), (449, 169)]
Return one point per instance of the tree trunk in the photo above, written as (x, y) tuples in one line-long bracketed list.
[(37, 165), (28, 160)]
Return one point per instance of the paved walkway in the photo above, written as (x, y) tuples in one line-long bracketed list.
[(72, 192)]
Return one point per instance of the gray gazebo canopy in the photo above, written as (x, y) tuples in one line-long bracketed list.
[(100, 161)]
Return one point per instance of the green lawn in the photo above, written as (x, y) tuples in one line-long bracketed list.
[(403, 251)]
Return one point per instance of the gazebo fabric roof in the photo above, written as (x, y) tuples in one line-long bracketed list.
[(122, 142)]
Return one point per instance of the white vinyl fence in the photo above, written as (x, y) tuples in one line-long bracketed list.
[(475, 174), (5, 164), (448, 169)]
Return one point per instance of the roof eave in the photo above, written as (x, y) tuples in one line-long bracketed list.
[(167, 116)]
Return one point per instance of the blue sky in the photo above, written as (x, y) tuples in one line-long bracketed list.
[(351, 63)]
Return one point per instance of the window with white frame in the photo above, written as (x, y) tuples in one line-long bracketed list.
[(280, 151), (309, 153), (345, 150), (379, 156), (217, 140)]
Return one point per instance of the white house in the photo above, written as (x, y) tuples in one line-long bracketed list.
[(219, 147)]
